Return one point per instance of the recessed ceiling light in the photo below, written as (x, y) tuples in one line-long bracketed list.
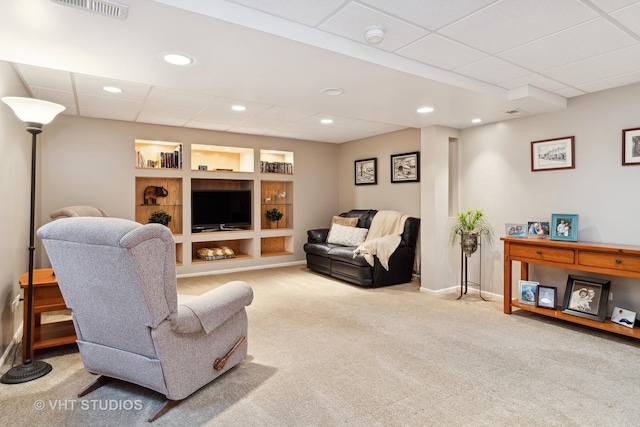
[(333, 91), (326, 121), (476, 121), (111, 89), (238, 107), (177, 59), (423, 110)]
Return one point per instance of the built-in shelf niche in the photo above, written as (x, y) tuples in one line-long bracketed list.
[(275, 161), (276, 246), (218, 158), (276, 194), (242, 248), (171, 203), (157, 154)]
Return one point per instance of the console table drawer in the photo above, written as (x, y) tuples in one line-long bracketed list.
[(566, 256), (611, 261)]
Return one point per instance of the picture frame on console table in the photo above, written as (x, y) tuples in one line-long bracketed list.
[(366, 171), (631, 147), (538, 228), (564, 227), (586, 297), (546, 297), (553, 154), (528, 292), (623, 317)]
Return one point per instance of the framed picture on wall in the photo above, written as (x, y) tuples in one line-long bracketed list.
[(631, 147), (366, 171), (405, 167), (554, 153)]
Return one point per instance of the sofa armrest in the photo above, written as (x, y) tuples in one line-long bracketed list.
[(210, 310), (318, 235)]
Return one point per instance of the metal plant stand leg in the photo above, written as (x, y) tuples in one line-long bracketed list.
[(464, 272)]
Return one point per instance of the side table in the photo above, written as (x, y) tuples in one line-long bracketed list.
[(46, 297)]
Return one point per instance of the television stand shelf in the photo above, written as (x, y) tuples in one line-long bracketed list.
[(603, 258)]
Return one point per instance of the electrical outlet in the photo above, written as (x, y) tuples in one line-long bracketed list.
[(610, 296), (15, 303)]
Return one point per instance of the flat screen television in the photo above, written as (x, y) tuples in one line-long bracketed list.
[(220, 209)]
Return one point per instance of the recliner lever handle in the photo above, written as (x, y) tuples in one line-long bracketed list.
[(218, 364)]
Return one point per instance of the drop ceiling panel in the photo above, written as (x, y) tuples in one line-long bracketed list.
[(629, 17), (441, 52), (536, 80), (507, 24), (305, 12), (492, 70), (170, 115), (610, 82), (429, 14), (109, 108), (353, 21), (582, 41), (612, 5), (284, 114), (178, 98), (45, 77), (62, 97), (92, 85), (606, 66)]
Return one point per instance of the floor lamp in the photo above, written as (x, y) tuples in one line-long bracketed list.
[(35, 113)]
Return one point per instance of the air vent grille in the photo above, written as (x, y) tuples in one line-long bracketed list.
[(101, 7), (514, 111)]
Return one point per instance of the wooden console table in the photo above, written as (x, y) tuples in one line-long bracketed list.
[(603, 258), (46, 297)]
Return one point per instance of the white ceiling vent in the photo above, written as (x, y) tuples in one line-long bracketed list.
[(514, 111), (101, 7)]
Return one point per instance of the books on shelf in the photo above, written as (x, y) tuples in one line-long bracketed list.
[(276, 167), (163, 159)]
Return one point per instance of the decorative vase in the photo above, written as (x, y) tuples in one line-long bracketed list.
[(274, 224), (469, 242)]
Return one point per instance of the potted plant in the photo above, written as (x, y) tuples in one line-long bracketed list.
[(469, 225), (160, 217), (273, 215)]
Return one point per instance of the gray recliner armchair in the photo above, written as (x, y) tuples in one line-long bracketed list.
[(118, 278)]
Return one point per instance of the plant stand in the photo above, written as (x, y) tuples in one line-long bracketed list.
[(464, 268)]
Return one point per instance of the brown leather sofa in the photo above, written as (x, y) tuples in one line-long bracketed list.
[(338, 261)]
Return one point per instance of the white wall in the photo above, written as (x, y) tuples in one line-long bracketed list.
[(15, 184), (495, 166), (403, 197)]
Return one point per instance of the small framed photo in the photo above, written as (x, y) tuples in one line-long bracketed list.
[(528, 291), (554, 153), (631, 147), (515, 230), (202, 167), (538, 228), (546, 297), (623, 317), (564, 227), (405, 167), (586, 297), (366, 171)]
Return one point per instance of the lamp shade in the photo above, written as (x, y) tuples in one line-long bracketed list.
[(31, 110)]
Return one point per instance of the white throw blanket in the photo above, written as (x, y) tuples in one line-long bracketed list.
[(383, 237)]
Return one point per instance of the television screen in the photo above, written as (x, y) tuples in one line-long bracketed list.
[(216, 209)]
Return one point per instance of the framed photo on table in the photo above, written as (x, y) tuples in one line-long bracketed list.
[(623, 317), (564, 227), (554, 153), (528, 291), (538, 228), (631, 147), (546, 297), (405, 167), (586, 297), (366, 171)]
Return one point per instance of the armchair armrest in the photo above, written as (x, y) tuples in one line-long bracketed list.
[(318, 235), (210, 310)]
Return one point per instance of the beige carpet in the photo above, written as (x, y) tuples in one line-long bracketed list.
[(325, 353)]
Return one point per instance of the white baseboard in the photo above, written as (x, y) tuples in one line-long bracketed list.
[(235, 270), (17, 338), (456, 289)]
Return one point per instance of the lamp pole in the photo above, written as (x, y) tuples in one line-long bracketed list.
[(35, 113)]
